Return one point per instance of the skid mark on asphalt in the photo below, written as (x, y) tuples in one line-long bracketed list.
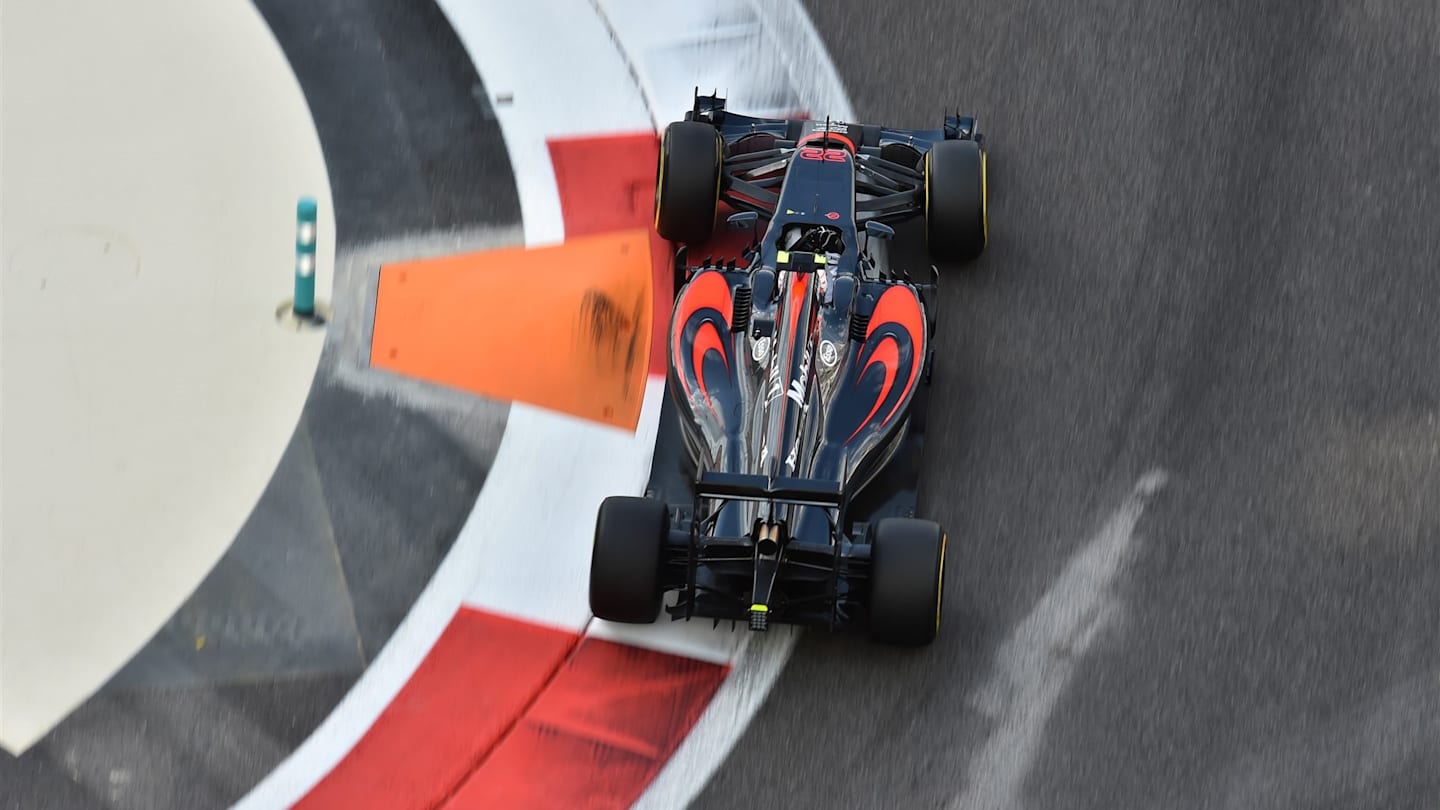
[(1038, 658)]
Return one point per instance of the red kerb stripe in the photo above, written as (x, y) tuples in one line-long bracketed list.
[(598, 734), (477, 680)]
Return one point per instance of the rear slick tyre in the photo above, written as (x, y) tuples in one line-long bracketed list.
[(907, 581), (625, 560)]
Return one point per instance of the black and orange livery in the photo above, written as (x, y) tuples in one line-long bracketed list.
[(784, 484)]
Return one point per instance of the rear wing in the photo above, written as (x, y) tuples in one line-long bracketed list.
[(796, 491), (867, 138)]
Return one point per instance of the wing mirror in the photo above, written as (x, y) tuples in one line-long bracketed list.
[(879, 230), (745, 219), (742, 220)]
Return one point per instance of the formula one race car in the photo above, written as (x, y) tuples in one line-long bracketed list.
[(785, 475)]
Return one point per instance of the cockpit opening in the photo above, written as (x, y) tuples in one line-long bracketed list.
[(810, 238)]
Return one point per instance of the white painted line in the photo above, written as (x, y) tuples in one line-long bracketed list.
[(1037, 660)]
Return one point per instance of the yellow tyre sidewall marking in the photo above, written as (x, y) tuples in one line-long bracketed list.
[(940, 581), (660, 180), (719, 167), (984, 198), (926, 212)]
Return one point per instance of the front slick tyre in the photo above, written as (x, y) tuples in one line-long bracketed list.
[(907, 578), (687, 182), (956, 205), (625, 561)]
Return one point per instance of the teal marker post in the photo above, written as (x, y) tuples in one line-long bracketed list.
[(305, 215)]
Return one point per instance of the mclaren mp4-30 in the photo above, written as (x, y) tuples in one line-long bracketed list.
[(785, 477)]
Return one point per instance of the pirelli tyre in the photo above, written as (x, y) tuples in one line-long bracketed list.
[(907, 579), (625, 560), (687, 181), (957, 221)]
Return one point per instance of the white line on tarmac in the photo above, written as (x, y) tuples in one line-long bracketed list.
[(1038, 659)]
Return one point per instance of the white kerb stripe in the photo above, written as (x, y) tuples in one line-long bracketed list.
[(560, 73), (536, 514)]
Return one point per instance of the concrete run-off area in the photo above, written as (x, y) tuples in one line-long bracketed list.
[(153, 158)]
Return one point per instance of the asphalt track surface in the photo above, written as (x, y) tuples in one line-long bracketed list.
[(1216, 253)]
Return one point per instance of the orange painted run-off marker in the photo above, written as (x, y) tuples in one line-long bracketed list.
[(564, 327)]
